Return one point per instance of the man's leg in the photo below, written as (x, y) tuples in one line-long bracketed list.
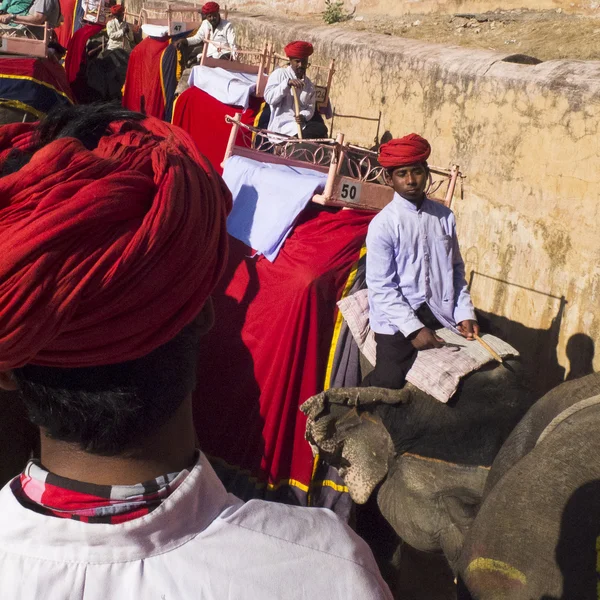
[(315, 128), (395, 356)]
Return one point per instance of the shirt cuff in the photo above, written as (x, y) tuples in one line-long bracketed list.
[(410, 326), (464, 314)]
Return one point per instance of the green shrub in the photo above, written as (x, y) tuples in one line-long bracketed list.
[(334, 12)]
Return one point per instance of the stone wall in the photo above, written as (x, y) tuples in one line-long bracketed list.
[(401, 7), (526, 138)]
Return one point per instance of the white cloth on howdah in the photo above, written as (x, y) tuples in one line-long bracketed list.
[(228, 87), (278, 95), (201, 542), (267, 199)]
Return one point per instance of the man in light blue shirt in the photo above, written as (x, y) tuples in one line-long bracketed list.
[(415, 272)]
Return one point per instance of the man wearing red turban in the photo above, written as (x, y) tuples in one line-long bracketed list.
[(415, 272), (119, 33), (217, 29), (280, 100), (112, 237)]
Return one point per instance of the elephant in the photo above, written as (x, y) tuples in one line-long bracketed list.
[(537, 533), (432, 458), (8, 114)]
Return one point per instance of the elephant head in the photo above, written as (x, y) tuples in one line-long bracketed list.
[(431, 459)]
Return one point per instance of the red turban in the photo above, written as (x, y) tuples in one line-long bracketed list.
[(408, 150), (298, 49), (209, 8), (106, 254), (117, 9)]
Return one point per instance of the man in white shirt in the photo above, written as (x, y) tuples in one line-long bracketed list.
[(217, 29), (415, 272), (113, 235), (279, 96), (120, 36)]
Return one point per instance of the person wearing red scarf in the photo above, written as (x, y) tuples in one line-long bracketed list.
[(415, 272), (112, 237), (215, 28), (280, 100), (120, 35)]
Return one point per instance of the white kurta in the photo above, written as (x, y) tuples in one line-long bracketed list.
[(278, 95), (223, 33), (117, 38), (200, 543)]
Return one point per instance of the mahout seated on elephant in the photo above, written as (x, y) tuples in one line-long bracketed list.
[(427, 461), (537, 531)]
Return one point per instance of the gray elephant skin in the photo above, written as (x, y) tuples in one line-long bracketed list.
[(432, 458), (537, 534)]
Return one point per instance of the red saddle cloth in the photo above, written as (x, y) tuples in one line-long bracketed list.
[(268, 352), (203, 117)]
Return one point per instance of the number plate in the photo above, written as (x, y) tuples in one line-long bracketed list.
[(349, 191), (177, 28), (320, 93)]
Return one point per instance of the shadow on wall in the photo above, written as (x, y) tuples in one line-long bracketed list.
[(580, 352), (538, 347), (577, 550)]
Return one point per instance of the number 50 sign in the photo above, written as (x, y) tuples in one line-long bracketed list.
[(348, 190)]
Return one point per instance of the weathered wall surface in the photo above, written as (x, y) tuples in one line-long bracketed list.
[(401, 7), (527, 139)]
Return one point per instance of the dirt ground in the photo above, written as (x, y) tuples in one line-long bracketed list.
[(545, 35)]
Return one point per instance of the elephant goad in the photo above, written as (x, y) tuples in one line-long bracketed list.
[(537, 534), (432, 458)]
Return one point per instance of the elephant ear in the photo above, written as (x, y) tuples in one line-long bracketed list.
[(357, 443)]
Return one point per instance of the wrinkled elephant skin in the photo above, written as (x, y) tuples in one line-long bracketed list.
[(433, 458), (538, 530)]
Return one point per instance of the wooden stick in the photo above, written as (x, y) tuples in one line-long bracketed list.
[(297, 111), (489, 349)]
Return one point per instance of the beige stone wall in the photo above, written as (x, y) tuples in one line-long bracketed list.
[(526, 137), (401, 7)]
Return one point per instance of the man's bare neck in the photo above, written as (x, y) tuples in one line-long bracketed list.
[(169, 450)]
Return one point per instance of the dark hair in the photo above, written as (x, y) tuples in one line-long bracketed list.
[(104, 409), (86, 122), (107, 409)]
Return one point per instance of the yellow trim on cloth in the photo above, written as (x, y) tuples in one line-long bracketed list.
[(496, 566), (26, 77), (22, 106), (334, 340), (174, 106), (340, 319), (162, 79)]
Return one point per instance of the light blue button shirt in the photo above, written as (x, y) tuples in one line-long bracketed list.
[(413, 258)]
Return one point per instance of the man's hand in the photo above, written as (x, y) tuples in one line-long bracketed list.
[(426, 339), (182, 43), (5, 19), (300, 120), (126, 29), (468, 329), (296, 83)]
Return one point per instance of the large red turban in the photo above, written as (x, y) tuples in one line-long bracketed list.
[(106, 254), (298, 49), (117, 9), (408, 150), (209, 8)]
